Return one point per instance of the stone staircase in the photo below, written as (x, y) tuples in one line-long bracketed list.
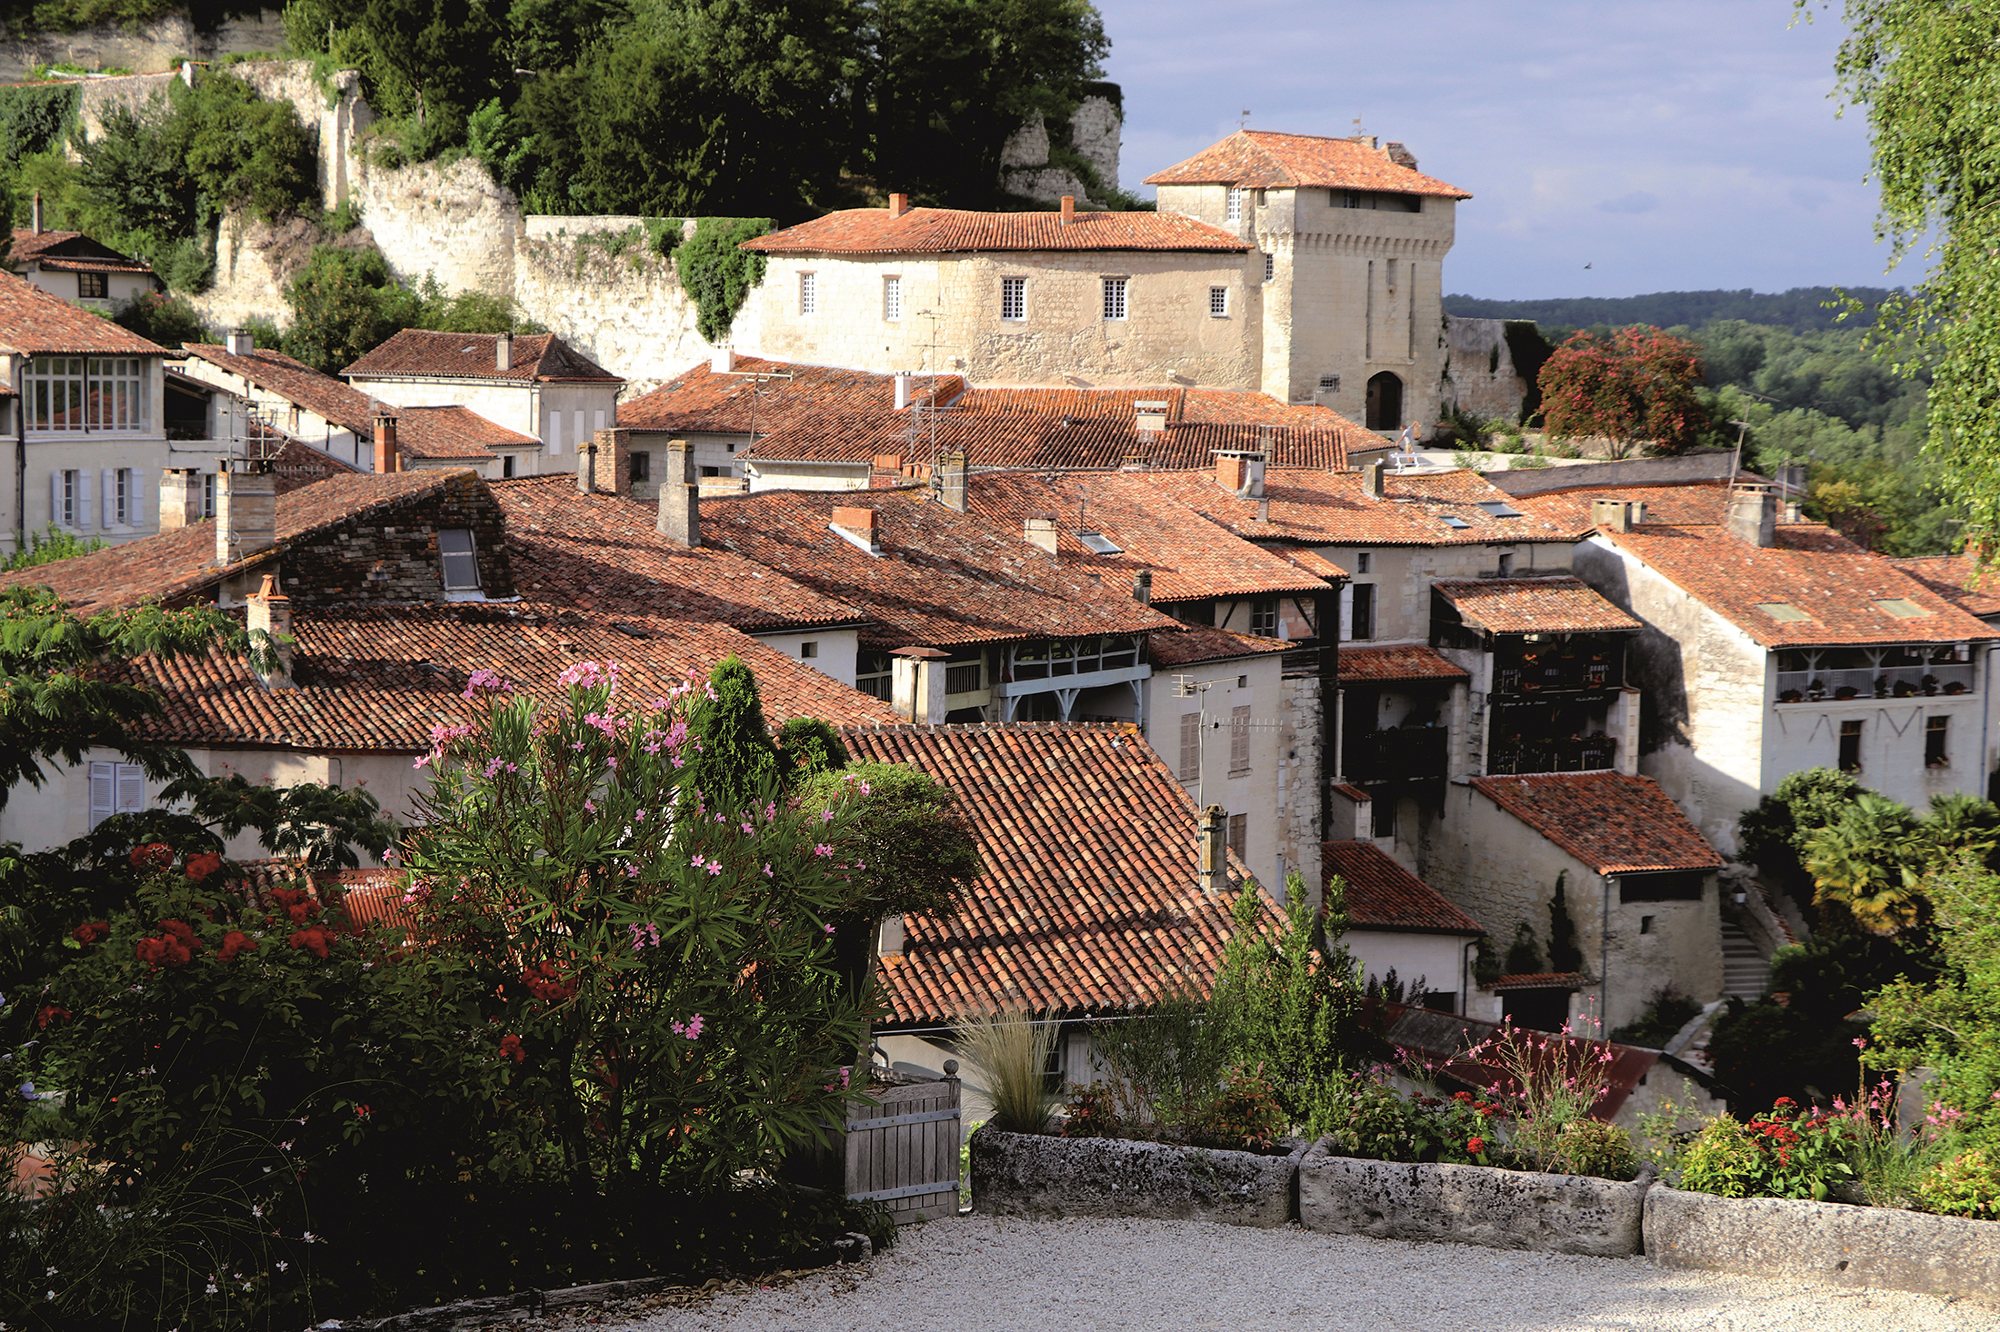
[(1745, 969)]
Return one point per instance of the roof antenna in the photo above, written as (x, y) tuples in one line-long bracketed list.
[(1243, 119)]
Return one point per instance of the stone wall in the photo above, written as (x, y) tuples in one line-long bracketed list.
[(159, 45), (1095, 130), (255, 261), (623, 308), (454, 223), (1480, 377), (393, 556), (97, 98)]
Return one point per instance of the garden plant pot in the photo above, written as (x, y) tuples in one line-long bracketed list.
[(1030, 1174), (1469, 1204)]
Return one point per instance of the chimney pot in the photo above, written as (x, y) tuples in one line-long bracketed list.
[(1040, 533), (246, 511), (680, 497), (180, 498), (1371, 479), (899, 204), (1068, 209), (905, 385), (857, 523), (1753, 514), (388, 453), (1149, 418), (268, 617), (952, 481), (239, 342), (1213, 851), (586, 469), (503, 352), (1142, 587)]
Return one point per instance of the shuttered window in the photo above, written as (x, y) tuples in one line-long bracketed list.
[(116, 788), (1190, 747), (1239, 741)]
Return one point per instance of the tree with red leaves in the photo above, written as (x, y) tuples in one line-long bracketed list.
[(1634, 387)]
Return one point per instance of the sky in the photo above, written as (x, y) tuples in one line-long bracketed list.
[(1668, 144)]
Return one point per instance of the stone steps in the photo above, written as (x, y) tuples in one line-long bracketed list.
[(1745, 969)]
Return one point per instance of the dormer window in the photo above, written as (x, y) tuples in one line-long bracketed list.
[(459, 559)]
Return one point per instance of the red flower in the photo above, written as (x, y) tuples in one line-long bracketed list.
[(201, 866), (1783, 1102), (50, 1013), (234, 942), (510, 1048), (151, 856), (547, 984), (90, 932), (174, 946), (1474, 1146), (313, 939)]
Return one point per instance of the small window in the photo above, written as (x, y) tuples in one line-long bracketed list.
[(507, 465), (1218, 302), (1232, 210), (808, 293), (1099, 544), (1264, 617), (892, 298), (118, 497), (1937, 743), (642, 465), (116, 788), (1645, 924), (1506, 563), (808, 650), (1114, 297), (1270, 267), (461, 563), (91, 287), (1013, 299), (1392, 275), (1239, 741), (208, 495), (1901, 607), (1190, 765), (1361, 622), (1454, 522), (1239, 834), (1362, 562), (1500, 508), (1850, 746), (1242, 682)]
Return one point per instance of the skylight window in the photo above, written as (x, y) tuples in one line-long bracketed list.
[(1900, 607), (1783, 611), (1454, 522), (1500, 508), (1099, 544)]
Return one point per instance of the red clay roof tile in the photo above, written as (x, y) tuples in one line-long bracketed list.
[(1263, 159), (276, 373), (1959, 579), (1382, 895), (1534, 606), (36, 323), (1399, 661), (954, 230), (1614, 824), (454, 432), (425, 353)]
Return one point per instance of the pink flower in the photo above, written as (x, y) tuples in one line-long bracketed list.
[(822, 850), (690, 1029)]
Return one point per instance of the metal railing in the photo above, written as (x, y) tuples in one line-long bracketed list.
[(1913, 681)]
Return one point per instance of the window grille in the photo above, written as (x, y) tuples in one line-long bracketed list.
[(1114, 298), (1013, 299)]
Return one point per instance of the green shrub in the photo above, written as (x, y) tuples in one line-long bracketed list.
[(47, 546), (1967, 1184), (1722, 1159), (716, 275), (1593, 1147), (1091, 1112), (1785, 1152), (1244, 1114), (1012, 1050), (1669, 1011), (1365, 1117), (1166, 1064), (163, 318)]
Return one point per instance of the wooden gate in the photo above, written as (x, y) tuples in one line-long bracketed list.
[(902, 1148)]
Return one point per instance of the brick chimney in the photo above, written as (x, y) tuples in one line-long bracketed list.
[(614, 460), (1241, 474), (246, 511), (503, 352), (857, 524), (388, 453), (239, 342), (1753, 514), (1371, 479), (1068, 209), (180, 498), (916, 684), (1212, 851), (680, 497), (899, 204), (1040, 533), (268, 617), (951, 480)]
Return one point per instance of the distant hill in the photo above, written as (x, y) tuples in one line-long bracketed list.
[(1802, 309)]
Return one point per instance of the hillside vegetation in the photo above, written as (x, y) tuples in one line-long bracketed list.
[(1802, 309)]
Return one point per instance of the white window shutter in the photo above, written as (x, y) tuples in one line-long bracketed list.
[(56, 514), (1346, 613), (131, 788), (83, 499), (135, 499), (103, 795), (109, 496), (555, 432)]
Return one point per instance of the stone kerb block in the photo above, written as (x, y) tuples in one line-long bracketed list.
[(1466, 1204), (1024, 1174), (1841, 1245)]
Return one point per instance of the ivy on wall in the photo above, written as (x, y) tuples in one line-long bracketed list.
[(716, 275)]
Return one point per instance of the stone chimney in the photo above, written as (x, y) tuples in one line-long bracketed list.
[(1149, 418), (268, 617), (35, 214), (1040, 533), (1371, 479), (1753, 514), (899, 204), (586, 469), (1613, 515), (1212, 851), (1068, 209), (951, 480), (503, 352), (180, 498), (857, 524), (1142, 587), (246, 511), (916, 684), (680, 497), (614, 459), (905, 386), (388, 453), (239, 342)]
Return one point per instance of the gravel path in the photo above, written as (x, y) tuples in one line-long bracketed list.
[(980, 1274)]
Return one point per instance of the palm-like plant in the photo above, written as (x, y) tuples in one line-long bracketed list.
[(1869, 860)]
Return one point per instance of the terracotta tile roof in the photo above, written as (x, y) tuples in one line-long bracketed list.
[(1198, 643), (276, 373), (1704, 503), (1190, 558), (1382, 895), (1262, 159), (959, 231), (1088, 902), (605, 553), (1612, 823), (1958, 579), (1538, 980), (1399, 661), (422, 353), (174, 566), (1839, 588), (777, 393), (70, 251), (34, 322), (942, 578), (376, 679), (296, 464), (454, 432), (1534, 606), (1313, 508), (1314, 563)]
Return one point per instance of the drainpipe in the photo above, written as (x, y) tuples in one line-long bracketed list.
[(1465, 954), (21, 456), (1604, 963)]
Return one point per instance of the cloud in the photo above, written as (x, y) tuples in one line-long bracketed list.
[(1638, 201)]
